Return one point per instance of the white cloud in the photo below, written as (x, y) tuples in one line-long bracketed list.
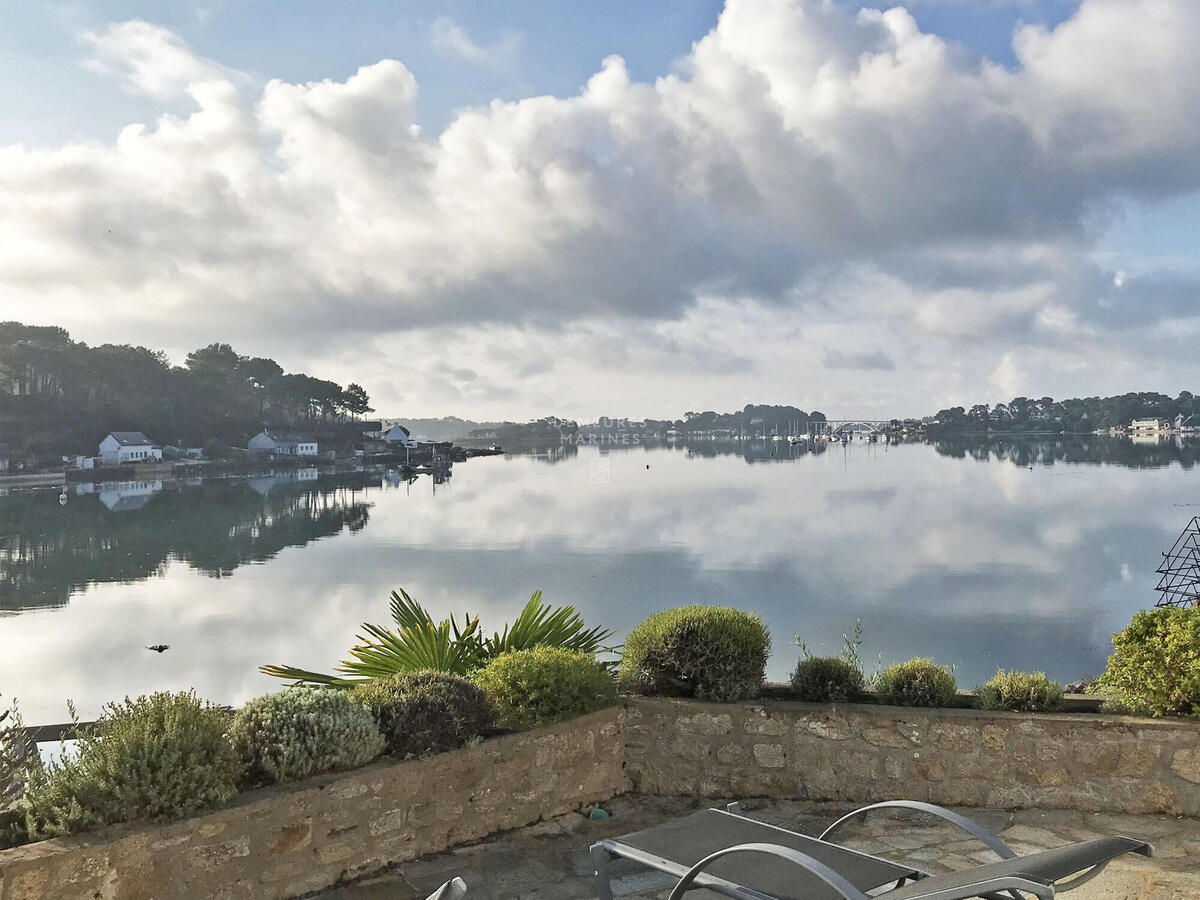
[(841, 174), (149, 59), (447, 36)]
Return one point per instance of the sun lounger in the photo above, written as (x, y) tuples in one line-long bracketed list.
[(739, 857), (454, 889)]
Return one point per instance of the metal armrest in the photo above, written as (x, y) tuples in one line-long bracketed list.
[(973, 828), (819, 869), (1015, 885)]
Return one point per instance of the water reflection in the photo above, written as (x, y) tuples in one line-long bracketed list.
[(127, 531), (1137, 452), (960, 551)]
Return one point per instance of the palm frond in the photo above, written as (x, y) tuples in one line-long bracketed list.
[(541, 625), (407, 612), (411, 649), (303, 676), (418, 643)]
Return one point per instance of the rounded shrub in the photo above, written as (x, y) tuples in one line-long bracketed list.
[(917, 682), (545, 685), (1021, 692), (299, 732), (827, 679), (426, 712), (710, 652), (161, 756), (1155, 666)]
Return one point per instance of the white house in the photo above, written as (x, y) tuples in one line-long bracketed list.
[(283, 443), (1149, 425), (398, 434), (122, 447)]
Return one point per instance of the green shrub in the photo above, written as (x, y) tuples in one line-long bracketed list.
[(827, 679), (1155, 666), (545, 685), (426, 712), (711, 652), (161, 756), (300, 732), (18, 756), (917, 682), (1021, 692)]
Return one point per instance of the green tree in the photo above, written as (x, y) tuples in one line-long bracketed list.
[(355, 400)]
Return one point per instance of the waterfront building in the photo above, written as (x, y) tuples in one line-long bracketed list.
[(282, 443), (122, 447)]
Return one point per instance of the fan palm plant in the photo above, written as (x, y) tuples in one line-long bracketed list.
[(418, 643)]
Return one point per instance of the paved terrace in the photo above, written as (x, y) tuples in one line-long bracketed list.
[(549, 861)]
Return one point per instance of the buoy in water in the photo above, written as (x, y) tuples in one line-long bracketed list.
[(62, 499)]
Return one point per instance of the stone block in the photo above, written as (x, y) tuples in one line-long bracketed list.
[(705, 723), (764, 724), (828, 725), (731, 754), (216, 855), (1186, 764), (770, 756), (291, 837), (995, 739), (956, 736), (1138, 759), (885, 736)]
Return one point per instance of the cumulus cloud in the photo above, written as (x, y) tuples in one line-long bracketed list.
[(844, 167)]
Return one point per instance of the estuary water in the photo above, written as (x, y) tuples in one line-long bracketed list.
[(1021, 553)]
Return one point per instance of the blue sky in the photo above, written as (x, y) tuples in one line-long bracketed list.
[(46, 96), (974, 198)]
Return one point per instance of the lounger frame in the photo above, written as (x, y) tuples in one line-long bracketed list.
[(1005, 886)]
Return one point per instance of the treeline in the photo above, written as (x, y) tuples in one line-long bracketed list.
[(752, 421), (547, 430), (1074, 415), (755, 420), (59, 396)]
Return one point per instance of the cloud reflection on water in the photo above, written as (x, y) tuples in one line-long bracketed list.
[(981, 564)]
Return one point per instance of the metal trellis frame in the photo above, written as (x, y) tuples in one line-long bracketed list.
[(1180, 569)]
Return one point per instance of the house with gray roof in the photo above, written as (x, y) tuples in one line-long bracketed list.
[(123, 447), (282, 443)]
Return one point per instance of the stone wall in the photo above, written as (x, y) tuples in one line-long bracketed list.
[(284, 841), (946, 756), (290, 840)]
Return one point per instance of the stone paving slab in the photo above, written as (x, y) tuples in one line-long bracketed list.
[(550, 859)]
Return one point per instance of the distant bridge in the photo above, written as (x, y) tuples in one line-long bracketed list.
[(838, 427)]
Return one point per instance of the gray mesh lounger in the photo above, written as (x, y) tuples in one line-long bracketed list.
[(751, 860), (454, 889)]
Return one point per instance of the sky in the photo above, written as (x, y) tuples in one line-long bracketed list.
[(504, 211)]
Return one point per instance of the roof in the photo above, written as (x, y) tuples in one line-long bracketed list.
[(289, 437), (401, 427), (125, 438)]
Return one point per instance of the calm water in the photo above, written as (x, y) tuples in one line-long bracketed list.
[(1016, 555)]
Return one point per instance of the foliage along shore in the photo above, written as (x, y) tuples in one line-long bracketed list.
[(62, 396)]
